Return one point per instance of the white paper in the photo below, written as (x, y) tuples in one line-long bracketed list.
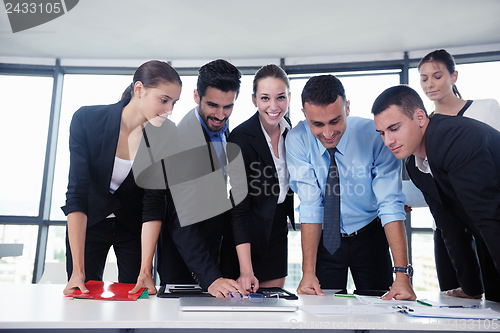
[(375, 300), (346, 309), (466, 313), (414, 198)]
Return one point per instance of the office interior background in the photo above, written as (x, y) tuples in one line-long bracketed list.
[(88, 55)]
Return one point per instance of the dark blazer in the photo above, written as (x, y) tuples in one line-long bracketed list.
[(94, 133), (464, 158), (458, 242), (190, 254), (252, 219)]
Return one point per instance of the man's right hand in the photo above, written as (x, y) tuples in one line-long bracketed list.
[(222, 287), (77, 281), (458, 292), (309, 285)]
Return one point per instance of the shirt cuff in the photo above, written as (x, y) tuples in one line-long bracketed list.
[(386, 218), (311, 214)]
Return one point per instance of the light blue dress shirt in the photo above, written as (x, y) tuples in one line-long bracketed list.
[(218, 139), (370, 175)]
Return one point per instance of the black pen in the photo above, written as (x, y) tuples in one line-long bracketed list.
[(460, 306)]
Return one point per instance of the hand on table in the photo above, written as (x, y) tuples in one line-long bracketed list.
[(222, 287), (309, 285), (401, 289), (146, 281), (77, 281), (458, 292), (247, 281)]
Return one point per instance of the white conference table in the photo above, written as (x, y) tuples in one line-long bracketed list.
[(43, 308)]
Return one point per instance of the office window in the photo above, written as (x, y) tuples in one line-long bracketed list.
[(186, 100), (425, 277), (55, 257), (55, 260), (421, 218), (18, 269), (25, 106), (78, 91)]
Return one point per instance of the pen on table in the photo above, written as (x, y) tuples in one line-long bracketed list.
[(460, 306), (423, 303), (344, 295), (386, 293)]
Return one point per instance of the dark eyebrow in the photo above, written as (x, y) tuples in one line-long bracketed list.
[(336, 118), (388, 127), (394, 125)]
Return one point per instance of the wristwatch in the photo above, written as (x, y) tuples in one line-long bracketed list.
[(408, 270)]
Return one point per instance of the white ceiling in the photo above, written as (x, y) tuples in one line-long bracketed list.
[(238, 29)]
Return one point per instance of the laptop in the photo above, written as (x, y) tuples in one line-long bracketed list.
[(230, 305)]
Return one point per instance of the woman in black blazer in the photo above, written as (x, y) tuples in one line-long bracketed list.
[(103, 203), (259, 222)]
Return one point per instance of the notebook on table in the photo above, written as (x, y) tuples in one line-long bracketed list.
[(228, 304), (181, 290)]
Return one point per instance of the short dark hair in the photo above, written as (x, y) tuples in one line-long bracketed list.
[(218, 74), (270, 70), (402, 96), (322, 90)]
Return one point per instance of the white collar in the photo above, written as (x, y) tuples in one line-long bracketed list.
[(283, 124), (423, 164)]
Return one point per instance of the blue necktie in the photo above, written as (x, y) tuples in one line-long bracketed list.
[(331, 219), (219, 149)]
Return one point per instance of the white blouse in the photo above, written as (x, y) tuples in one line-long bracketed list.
[(121, 169), (280, 163)]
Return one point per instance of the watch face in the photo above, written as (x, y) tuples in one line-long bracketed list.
[(410, 270)]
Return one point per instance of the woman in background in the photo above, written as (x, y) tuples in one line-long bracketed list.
[(104, 205), (259, 222), (457, 276)]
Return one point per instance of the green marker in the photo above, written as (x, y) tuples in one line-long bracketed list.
[(423, 303), (344, 295)]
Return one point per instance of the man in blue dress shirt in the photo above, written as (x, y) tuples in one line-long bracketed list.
[(371, 199)]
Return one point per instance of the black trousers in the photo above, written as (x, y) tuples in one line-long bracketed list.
[(490, 275), (367, 256), (99, 239), (446, 273)]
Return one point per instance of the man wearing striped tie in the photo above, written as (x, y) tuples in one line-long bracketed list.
[(351, 202)]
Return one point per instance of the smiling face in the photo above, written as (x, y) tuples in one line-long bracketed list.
[(327, 122), (215, 107), (436, 81), (157, 103), (402, 135), (271, 99)]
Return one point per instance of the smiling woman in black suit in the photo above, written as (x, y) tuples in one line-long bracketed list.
[(103, 203), (259, 222)]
